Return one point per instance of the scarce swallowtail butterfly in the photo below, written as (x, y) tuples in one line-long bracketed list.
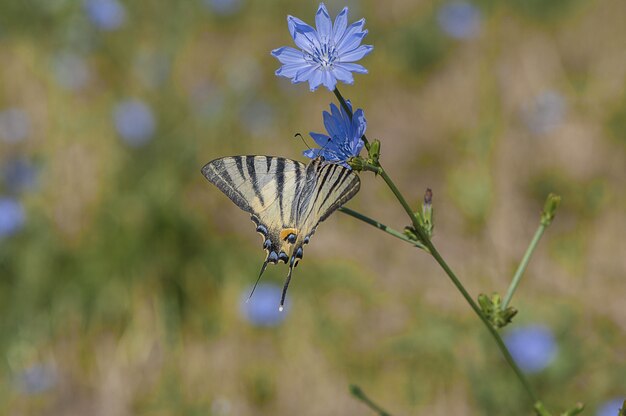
[(286, 199)]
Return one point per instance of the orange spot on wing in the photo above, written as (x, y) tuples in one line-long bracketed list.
[(284, 233)]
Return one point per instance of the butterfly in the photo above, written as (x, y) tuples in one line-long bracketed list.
[(287, 199)]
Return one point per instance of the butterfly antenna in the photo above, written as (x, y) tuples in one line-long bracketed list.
[(257, 280), (330, 139), (282, 298), (303, 141)]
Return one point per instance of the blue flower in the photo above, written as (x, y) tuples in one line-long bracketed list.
[(134, 122), (12, 216), (611, 407), (19, 174), (459, 20), (327, 54), (344, 136), (37, 379), (105, 14), (262, 308), (533, 347)]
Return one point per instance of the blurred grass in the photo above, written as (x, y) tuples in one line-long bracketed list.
[(125, 282)]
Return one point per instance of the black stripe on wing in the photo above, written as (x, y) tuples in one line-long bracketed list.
[(339, 187), (251, 166), (280, 186), (217, 173)]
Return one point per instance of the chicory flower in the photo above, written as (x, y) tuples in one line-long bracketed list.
[(327, 53)]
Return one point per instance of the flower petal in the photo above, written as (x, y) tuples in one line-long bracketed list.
[(341, 22), (359, 124), (343, 75), (349, 43), (358, 147), (323, 23), (329, 80), (343, 118), (354, 28), (312, 153), (303, 35), (359, 69), (330, 155), (304, 74), (334, 127), (357, 53), (315, 80), (288, 55), (321, 139), (290, 70)]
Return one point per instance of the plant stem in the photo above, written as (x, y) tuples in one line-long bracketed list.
[(522, 266), (433, 251), (383, 227)]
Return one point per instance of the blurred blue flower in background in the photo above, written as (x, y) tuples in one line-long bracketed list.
[(37, 379), (134, 122), (344, 136), (611, 407), (105, 14), (224, 7), (533, 347), (70, 71), (459, 19), (546, 112), (262, 308), (14, 125), (12, 216), (19, 174), (327, 54)]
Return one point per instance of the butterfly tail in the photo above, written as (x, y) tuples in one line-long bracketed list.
[(282, 298), (258, 278)]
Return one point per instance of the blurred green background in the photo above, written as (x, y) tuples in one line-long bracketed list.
[(122, 271)]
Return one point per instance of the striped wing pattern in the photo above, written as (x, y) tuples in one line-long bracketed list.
[(286, 199)]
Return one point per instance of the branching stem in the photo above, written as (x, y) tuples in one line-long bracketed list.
[(378, 169)]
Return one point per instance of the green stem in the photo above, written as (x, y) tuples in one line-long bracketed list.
[(359, 394), (522, 266), (383, 227), (433, 251)]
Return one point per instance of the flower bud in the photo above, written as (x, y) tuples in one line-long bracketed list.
[(356, 163), (549, 209), (427, 212), (374, 151)]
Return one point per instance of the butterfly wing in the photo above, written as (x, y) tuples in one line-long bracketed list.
[(326, 188), (266, 187), (286, 199)]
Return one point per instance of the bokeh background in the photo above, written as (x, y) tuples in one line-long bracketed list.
[(123, 272)]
